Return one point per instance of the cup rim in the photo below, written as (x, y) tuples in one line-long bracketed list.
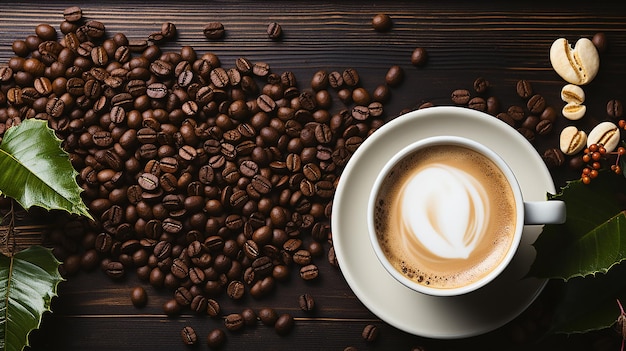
[(519, 222)]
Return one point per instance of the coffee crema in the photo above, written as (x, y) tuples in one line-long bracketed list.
[(445, 216)]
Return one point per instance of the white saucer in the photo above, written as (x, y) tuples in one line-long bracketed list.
[(435, 317)]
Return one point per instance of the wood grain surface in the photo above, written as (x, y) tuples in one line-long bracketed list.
[(501, 41)]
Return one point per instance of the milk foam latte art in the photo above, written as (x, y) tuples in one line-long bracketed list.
[(445, 216)]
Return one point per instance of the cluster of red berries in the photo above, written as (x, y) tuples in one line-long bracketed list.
[(593, 157)]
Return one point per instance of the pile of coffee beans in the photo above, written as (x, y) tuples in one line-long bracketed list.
[(214, 180)]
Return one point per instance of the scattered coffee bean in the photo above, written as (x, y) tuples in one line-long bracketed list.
[(600, 42), (274, 31), (268, 316), (189, 336), (284, 324), (214, 30), (306, 302), (216, 338), (370, 333), (138, 296), (460, 96), (553, 157), (381, 22), (481, 85), (614, 108), (524, 89), (394, 76), (419, 57)]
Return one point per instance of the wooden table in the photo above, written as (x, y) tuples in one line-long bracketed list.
[(501, 41)]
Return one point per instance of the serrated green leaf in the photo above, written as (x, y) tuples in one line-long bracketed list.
[(590, 303), (35, 171), (28, 282), (593, 238)]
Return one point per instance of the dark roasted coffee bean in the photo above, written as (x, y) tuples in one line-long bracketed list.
[(216, 338), (477, 103), (148, 181), (516, 112), (524, 89), (493, 105), (549, 113), (527, 133), (370, 333), (171, 307), (381, 22), (284, 324), (274, 31), (268, 316), (157, 90), (183, 296), (235, 290), (614, 108), (350, 77), (198, 304), (261, 69), (73, 14), (138, 296), (543, 127), (309, 272), (168, 30), (115, 270), (394, 76), (306, 302), (600, 42), (214, 30), (234, 322), (460, 96), (213, 308), (553, 157), (481, 85), (189, 336), (179, 268), (419, 57), (536, 104), (335, 79)]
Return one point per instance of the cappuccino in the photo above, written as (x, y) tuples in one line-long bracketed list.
[(445, 216)]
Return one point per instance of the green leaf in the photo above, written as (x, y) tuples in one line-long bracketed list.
[(35, 171), (28, 282), (590, 303), (593, 238)]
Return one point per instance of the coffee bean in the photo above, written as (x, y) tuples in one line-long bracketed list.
[(216, 338), (461, 96), (553, 157), (274, 31), (350, 77), (381, 22), (419, 57), (481, 85), (544, 127), (536, 104), (306, 302), (235, 290), (614, 108), (73, 14), (268, 316), (600, 42), (477, 103), (284, 324), (516, 112), (309, 272), (189, 336), (394, 76), (524, 89), (138, 296), (115, 269), (234, 322), (214, 30), (370, 333)]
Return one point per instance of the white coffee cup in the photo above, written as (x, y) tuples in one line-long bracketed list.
[(469, 201)]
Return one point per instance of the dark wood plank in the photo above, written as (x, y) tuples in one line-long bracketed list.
[(501, 41)]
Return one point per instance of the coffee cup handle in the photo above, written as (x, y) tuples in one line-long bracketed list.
[(544, 212)]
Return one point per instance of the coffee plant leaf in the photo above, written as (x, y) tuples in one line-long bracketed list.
[(593, 238), (36, 171), (590, 303), (28, 282)]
